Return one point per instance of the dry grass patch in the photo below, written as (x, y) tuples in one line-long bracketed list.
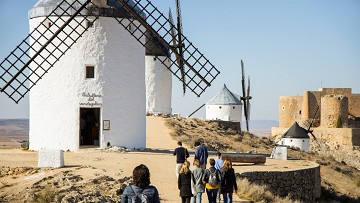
[(259, 193), (189, 130), (46, 196)]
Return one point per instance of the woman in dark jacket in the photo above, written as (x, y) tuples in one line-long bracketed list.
[(141, 180), (228, 182), (184, 183)]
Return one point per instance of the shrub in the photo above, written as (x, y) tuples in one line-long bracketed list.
[(46, 196), (25, 145)]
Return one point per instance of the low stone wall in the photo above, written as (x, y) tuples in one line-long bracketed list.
[(304, 184)]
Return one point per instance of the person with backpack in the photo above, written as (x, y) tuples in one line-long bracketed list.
[(181, 155), (184, 183), (213, 181), (228, 182), (198, 175), (140, 191)]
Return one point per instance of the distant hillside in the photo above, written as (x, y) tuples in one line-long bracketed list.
[(20, 123), (260, 127), (13, 131)]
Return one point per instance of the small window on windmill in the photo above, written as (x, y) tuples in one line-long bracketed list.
[(283, 108), (89, 24), (300, 112), (154, 58), (219, 107), (90, 72), (233, 107), (49, 24)]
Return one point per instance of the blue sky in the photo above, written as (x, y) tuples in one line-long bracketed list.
[(288, 47)]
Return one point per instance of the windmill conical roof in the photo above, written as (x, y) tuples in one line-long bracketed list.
[(154, 47), (295, 131), (45, 7), (224, 97)]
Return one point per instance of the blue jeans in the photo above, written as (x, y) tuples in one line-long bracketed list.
[(197, 198), (227, 197), (212, 194)]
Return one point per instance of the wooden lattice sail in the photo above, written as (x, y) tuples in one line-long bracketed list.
[(188, 64)]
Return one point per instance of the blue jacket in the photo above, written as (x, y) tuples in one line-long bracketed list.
[(151, 192), (201, 154)]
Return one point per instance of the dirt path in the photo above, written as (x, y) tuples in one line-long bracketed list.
[(89, 163)]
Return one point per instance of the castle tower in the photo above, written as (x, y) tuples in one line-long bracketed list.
[(158, 78), (334, 111), (95, 94)]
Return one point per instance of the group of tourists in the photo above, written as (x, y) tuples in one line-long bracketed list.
[(218, 179)]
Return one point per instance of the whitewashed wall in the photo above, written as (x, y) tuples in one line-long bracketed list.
[(158, 81), (118, 87), (224, 112), (302, 143)]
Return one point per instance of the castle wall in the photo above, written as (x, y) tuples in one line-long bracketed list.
[(340, 91), (302, 184), (278, 131), (339, 137), (354, 105), (290, 110)]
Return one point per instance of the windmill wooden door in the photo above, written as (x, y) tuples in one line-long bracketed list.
[(89, 127)]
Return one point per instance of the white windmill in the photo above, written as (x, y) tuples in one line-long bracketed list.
[(84, 62)]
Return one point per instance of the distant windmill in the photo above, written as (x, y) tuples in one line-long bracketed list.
[(296, 136), (246, 96)]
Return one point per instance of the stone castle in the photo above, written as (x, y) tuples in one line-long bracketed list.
[(334, 112)]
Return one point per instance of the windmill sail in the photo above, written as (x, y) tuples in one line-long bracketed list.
[(17, 77), (198, 71)]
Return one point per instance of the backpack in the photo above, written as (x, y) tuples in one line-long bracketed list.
[(213, 178), (139, 198)]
